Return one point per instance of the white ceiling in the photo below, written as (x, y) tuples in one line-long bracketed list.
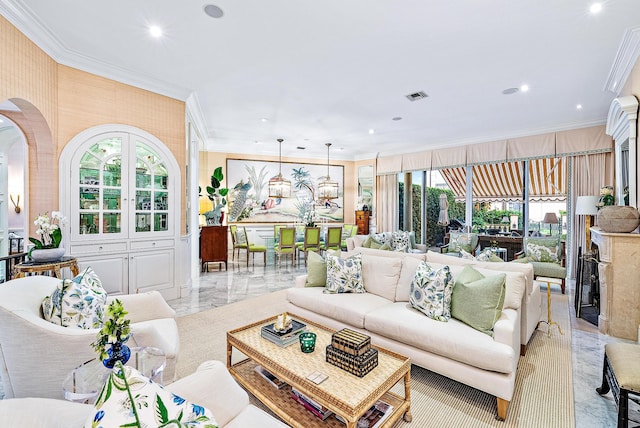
[(328, 71)]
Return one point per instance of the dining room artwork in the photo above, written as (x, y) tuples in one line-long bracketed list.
[(249, 200)]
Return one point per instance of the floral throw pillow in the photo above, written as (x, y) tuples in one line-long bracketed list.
[(431, 291), (543, 250), (130, 399), (400, 241), (77, 302), (344, 275)]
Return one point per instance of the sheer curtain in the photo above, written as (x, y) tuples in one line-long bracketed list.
[(387, 203), (588, 174)]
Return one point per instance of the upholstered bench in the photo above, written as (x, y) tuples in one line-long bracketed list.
[(621, 374)]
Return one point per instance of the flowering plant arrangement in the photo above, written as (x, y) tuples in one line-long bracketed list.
[(115, 329), (310, 217), (606, 196), (48, 230)]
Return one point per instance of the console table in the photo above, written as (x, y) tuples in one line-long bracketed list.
[(618, 270)]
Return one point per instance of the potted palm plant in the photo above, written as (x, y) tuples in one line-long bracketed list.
[(217, 195)]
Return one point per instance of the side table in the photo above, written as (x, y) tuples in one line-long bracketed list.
[(23, 268), (84, 382)]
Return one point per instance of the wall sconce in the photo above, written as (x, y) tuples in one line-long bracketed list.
[(16, 203)]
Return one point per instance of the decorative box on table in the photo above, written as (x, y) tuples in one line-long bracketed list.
[(351, 351), (359, 366), (351, 342)]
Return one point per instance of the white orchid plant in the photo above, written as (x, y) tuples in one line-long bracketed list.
[(48, 230)]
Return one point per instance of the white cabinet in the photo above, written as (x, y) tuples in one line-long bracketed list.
[(123, 208)]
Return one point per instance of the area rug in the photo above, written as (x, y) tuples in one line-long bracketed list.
[(543, 394)]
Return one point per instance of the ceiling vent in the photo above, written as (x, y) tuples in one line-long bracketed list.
[(301, 148), (416, 96)]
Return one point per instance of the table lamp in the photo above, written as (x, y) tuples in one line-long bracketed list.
[(587, 205), (550, 218)]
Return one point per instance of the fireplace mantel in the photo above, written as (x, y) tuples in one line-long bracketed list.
[(619, 270)]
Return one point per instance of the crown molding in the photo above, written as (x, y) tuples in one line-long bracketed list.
[(19, 14), (624, 61)]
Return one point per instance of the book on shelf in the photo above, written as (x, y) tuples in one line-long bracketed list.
[(297, 327), (375, 416), (269, 377), (314, 407), (280, 342)]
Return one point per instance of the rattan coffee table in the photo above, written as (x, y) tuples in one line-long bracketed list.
[(345, 394)]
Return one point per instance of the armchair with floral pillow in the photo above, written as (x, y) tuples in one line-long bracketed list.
[(547, 255)]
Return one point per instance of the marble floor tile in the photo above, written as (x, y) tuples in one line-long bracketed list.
[(217, 288)]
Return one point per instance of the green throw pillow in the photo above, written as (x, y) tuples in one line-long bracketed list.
[(367, 242), (478, 300), (316, 270), (386, 247), (375, 245)]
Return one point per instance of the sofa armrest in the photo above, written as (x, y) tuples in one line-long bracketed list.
[(213, 387), (301, 280), (145, 306), (507, 329)]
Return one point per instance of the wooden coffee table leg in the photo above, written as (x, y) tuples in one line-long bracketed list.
[(407, 396), (229, 350)]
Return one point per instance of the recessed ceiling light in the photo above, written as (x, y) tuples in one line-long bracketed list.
[(510, 91), (524, 88), (579, 106), (155, 31), (396, 118), (264, 119), (213, 11), (595, 8), (1, 121), (372, 131)]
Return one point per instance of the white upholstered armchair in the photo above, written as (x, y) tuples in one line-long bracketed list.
[(36, 355)]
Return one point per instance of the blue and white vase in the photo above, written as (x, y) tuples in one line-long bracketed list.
[(118, 352)]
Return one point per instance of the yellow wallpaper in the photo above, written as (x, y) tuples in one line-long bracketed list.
[(57, 102)]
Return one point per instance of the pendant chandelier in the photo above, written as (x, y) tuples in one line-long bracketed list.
[(328, 189), (279, 187)]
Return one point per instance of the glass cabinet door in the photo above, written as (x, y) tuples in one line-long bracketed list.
[(100, 188), (151, 191)]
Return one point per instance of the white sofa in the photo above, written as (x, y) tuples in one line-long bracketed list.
[(210, 386), (36, 355), (531, 299), (357, 241), (451, 348)]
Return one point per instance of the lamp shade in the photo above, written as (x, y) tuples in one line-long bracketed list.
[(587, 205), (550, 218)]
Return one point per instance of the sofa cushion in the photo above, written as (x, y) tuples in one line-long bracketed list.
[(348, 308), (79, 302), (453, 339), (344, 275), (408, 272), (431, 291), (380, 275), (316, 270), (478, 300), (154, 406), (488, 256)]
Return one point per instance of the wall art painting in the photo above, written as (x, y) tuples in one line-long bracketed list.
[(249, 200)]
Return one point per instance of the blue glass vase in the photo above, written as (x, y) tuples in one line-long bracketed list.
[(118, 352)]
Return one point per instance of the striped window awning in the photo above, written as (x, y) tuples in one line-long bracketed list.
[(503, 181)]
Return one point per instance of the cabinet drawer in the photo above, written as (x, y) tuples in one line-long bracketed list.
[(151, 244), (97, 248)]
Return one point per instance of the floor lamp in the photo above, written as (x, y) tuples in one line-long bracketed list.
[(586, 205)]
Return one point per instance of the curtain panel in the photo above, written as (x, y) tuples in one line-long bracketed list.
[(387, 203)]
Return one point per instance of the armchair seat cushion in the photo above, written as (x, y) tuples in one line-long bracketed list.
[(549, 270)]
